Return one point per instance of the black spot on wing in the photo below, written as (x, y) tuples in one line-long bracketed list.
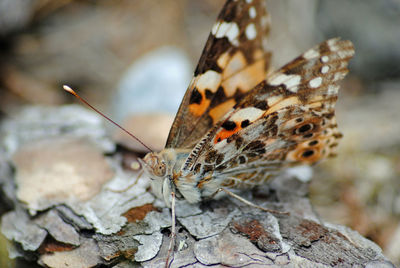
[(255, 146), (263, 105), (238, 142), (242, 159), (245, 123), (219, 97), (220, 158), (312, 143), (195, 97), (307, 136), (211, 156), (207, 168), (209, 94), (229, 125), (307, 153), (305, 128)]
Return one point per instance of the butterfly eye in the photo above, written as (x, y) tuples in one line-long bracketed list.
[(160, 169)]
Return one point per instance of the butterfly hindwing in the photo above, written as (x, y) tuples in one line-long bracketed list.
[(232, 63), (285, 120)]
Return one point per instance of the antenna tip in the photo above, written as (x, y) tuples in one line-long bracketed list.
[(70, 90)]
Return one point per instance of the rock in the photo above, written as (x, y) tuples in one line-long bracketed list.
[(15, 15), (356, 20), (144, 107), (111, 227)]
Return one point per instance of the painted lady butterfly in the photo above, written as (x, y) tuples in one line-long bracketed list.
[(239, 123)]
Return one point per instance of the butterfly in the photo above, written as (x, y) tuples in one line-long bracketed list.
[(239, 122)]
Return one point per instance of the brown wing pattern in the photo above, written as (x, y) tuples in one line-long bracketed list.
[(232, 63), (286, 120)]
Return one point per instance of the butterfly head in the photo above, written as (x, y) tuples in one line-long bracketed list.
[(156, 167)]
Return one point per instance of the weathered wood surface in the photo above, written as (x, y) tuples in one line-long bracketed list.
[(60, 171)]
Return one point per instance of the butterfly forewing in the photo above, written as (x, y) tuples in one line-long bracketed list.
[(285, 120), (232, 63)]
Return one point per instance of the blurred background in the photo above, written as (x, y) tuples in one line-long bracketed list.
[(137, 56)]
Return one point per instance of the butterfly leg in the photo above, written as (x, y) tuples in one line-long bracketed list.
[(173, 231), (247, 202)]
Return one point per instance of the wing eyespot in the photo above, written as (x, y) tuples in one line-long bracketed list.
[(312, 143), (304, 128), (307, 153), (307, 136)]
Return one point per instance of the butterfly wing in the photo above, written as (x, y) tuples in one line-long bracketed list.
[(233, 62), (285, 120)]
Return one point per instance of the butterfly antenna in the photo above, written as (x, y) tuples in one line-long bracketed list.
[(70, 90)]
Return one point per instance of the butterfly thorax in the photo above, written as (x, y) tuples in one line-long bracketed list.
[(165, 169)]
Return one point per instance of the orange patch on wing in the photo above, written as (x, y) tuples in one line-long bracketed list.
[(224, 134), (199, 109)]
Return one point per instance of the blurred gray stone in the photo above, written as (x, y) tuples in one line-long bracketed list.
[(373, 27), (15, 15), (36, 123), (370, 122), (156, 82)]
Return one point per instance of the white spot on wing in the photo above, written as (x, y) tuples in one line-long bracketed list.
[(324, 59), (316, 82), (252, 12), (339, 76), (345, 53), (249, 1), (325, 69), (229, 30), (291, 81), (273, 100), (332, 43), (251, 31), (209, 80), (312, 53), (215, 27), (249, 113)]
